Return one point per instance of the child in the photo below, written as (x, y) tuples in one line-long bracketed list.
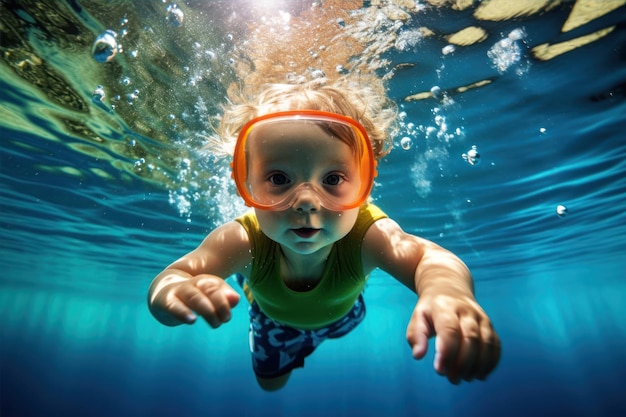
[(305, 161)]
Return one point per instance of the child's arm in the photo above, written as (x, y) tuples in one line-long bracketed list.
[(467, 346), (194, 284)]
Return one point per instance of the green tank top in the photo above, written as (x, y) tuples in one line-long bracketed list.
[(333, 296)]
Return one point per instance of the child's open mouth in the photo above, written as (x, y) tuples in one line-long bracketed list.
[(306, 232)]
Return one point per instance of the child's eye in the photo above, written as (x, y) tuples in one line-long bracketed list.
[(278, 178), (333, 179)]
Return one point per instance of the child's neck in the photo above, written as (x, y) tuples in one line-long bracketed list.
[(302, 272)]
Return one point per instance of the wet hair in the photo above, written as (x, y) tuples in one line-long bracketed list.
[(360, 101)]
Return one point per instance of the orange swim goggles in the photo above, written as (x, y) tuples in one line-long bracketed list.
[(303, 157)]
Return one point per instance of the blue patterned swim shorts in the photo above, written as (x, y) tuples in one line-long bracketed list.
[(277, 348)]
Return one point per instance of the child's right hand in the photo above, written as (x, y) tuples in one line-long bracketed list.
[(204, 295)]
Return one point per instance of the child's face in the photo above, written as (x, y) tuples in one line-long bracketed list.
[(305, 163)]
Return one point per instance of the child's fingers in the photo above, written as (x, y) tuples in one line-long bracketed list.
[(220, 298), (480, 350), (490, 352), (232, 296), (222, 303), (447, 345), (470, 349), (179, 310), (418, 332), (467, 346), (197, 301)]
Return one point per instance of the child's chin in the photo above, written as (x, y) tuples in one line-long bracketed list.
[(306, 248)]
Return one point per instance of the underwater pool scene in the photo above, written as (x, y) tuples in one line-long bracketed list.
[(510, 150)]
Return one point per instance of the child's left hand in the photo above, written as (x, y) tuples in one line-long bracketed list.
[(467, 346)]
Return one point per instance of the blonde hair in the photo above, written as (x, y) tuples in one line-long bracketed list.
[(360, 101)]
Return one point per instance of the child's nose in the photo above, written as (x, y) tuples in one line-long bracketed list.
[(306, 200)]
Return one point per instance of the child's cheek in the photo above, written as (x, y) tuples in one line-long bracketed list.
[(269, 221)]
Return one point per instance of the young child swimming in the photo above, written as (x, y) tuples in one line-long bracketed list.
[(304, 161)]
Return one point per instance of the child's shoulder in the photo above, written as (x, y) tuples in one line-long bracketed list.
[(230, 233), (368, 215), (372, 211), (248, 222)]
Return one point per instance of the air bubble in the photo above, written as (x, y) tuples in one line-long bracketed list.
[(98, 94), (406, 143), (448, 49), (507, 51), (130, 98), (317, 74), (105, 46), (472, 156), (407, 39), (431, 132), (436, 91), (341, 69), (175, 16), (517, 34)]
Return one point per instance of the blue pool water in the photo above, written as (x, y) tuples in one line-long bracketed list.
[(97, 196)]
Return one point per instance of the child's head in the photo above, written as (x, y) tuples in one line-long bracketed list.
[(370, 108)]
